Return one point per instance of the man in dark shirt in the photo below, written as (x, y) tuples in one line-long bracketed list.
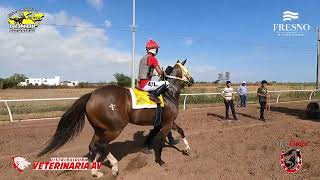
[(263, 98)]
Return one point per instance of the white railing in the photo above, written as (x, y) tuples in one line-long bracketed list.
[(184, 102), (252, 92), (28, 100)]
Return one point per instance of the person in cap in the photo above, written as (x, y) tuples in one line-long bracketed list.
[(147, 65), (227, 94), (242, 91), (263, 95)]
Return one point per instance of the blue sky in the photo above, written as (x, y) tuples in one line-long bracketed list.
[(215, 36)]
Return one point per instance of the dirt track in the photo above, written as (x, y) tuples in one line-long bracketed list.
[(220, 150)]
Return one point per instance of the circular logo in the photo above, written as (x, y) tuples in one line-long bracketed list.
[(291, 161)]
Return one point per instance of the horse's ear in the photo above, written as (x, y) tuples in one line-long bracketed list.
[(178, 61), (184, 62)]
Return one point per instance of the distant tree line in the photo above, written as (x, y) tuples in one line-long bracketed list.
[(12, 81)]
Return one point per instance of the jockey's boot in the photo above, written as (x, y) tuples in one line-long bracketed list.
[(154, 98), (158, 117), (154, 95)]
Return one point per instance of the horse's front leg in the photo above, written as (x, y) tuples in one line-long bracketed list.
[(159, 144), (187, 149)]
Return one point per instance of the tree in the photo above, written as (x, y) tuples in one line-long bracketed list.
[(13, 80), (227, 76), (220, 77), (122, 80), (1, 83)]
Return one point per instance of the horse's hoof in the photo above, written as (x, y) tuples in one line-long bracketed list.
[(97, 174), (146, 150), (115, 173), (186, 152), (160, 162)]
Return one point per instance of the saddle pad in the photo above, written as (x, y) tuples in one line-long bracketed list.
[(141, 100)]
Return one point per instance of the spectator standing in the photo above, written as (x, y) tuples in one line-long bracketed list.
[(227, 94), (263, 97), (242, 91)]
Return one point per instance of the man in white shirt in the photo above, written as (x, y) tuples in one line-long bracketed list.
[(227, 94)]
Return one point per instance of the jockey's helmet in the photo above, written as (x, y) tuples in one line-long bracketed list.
[(152, 47)]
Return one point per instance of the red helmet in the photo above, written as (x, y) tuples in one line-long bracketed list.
[(151, 44)]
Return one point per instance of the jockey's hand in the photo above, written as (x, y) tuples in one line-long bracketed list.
[(160, 72)]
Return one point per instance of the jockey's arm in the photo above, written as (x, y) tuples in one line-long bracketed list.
[(159, 71)]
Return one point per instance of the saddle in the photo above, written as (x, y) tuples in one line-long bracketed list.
[(141, 100)]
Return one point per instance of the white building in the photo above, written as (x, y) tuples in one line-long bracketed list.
[(41, 81)]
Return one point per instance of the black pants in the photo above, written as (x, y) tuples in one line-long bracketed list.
[(262, 108), (229, 103)]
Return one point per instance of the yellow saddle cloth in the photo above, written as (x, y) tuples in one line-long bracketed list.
[(141, 100)]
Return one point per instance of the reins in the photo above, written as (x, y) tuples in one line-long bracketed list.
[(174, 77)]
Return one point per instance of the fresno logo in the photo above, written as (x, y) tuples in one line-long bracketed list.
[(20, 163), (288, 15), (291, 161), (290, 29)]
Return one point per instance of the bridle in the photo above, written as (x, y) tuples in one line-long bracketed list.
[(178, 78)]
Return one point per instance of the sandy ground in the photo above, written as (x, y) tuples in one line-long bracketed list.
[(220, 149)]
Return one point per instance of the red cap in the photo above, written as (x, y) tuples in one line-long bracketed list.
[(151, 44)]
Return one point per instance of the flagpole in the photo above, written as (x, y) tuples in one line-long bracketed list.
[(133, 43)]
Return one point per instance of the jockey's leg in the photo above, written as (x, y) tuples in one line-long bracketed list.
[(157, 122), (156, 88)]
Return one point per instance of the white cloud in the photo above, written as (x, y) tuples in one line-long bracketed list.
[(188, 41), (98, 4), (107, 23), (204, 73), (77, 53)]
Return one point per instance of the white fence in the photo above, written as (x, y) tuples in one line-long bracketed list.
[(184, 101), (252, 92)]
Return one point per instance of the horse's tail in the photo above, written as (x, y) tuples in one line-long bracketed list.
[(70, 125)]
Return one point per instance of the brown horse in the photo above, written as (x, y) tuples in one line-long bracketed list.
[(109, 110)]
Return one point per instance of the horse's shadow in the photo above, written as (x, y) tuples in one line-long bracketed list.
[(122, 149)]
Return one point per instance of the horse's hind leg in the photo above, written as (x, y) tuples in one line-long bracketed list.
[(104, 150), (187, 149), (93, 149)]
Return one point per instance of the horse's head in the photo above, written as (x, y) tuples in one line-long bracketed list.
[(180, 72)]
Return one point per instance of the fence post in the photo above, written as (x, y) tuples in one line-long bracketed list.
[(278, 98), (184, 102), (9, 111), (310, 97)]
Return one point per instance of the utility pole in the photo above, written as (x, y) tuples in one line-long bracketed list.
[(133, 42), (318, 58)]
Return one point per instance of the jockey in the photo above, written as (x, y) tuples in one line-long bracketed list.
[(147, 65)]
